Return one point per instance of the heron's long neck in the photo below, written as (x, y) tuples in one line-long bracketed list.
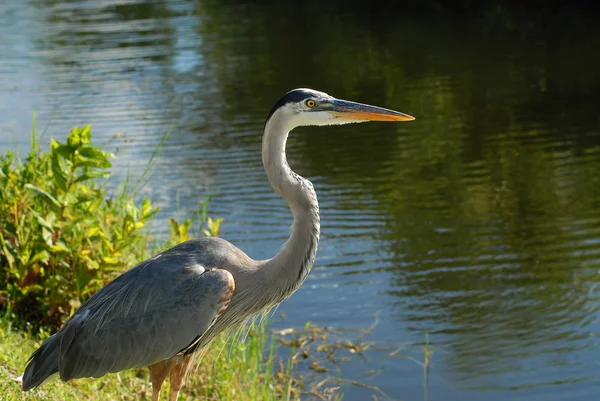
[(292, 264), (280, 276)]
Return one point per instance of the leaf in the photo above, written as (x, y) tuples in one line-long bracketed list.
[(95, 205), (42, 256), (24, 255), (85, 134), (92, 231), (59, 247), (92, 175), (108, 244), (7, 160), (69, 198), (47, 236), (113, 269), (74, 138), (174, 226), (9, 257), (130, 210), (187, 224), (85, 196), (110, 260), (31, 288), (214, 226), (62, 150), (183, 234), (91, 156), (91, 264), (51, 200), (58, 172), (184, 229), (54, 144), (146, 207), (42, 222)]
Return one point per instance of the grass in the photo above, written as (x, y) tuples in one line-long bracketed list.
[(257, 364), (234, 369), (15, 348), (250, 365)]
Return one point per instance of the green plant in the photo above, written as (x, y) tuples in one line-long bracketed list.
[(237, 368), (62, 237), (183, 231)]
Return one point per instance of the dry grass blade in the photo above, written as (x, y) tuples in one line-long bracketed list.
[(353, 383)]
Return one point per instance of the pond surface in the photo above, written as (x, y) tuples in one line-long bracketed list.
[(476, 225)]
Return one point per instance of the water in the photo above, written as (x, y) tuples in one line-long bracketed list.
[(476, 225)]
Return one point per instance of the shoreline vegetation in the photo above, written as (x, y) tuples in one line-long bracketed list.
[(63, 236)]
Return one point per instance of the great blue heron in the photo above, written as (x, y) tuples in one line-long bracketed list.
[(159, 312)]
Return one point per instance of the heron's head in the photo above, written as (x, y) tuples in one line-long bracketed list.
[(310, 107)]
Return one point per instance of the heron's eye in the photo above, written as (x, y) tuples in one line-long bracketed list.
[(310, 103)]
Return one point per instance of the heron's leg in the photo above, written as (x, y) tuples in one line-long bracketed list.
[(158, 374), (178, 372)]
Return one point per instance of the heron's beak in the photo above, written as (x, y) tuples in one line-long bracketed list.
[(363, 112)]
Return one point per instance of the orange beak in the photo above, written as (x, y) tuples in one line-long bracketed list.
[(364, 112)]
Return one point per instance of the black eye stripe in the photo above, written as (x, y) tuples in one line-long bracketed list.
[(293, 96)]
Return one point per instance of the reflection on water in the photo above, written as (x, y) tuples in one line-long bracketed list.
[(477, 223)]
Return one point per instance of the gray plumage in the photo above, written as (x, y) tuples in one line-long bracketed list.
[(131, 321), (177, 302)]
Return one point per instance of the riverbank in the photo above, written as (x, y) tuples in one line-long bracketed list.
[(62, 237), (233, 370)]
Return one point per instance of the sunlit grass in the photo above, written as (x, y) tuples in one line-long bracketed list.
[(256, 363), (235, 368), (15, 349), (244, 366)]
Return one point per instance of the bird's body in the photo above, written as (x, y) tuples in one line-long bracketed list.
[(161, 311)]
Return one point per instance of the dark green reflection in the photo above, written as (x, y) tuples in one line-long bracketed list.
[(490, 199), (491, 196)]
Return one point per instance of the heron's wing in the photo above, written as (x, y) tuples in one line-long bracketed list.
[(137, 324)]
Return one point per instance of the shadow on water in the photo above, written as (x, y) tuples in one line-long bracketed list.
[(478, 223)]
